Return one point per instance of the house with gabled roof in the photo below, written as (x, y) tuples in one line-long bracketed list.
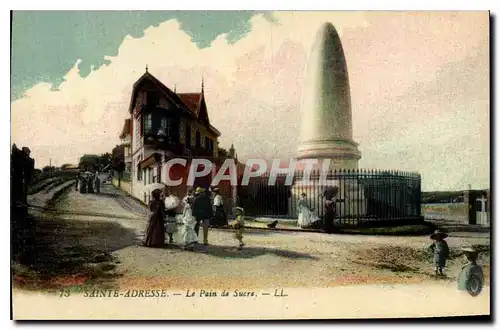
[(164, 124)]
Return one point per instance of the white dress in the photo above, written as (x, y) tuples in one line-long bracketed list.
[(171, 202), (306, 216), (188, 233)]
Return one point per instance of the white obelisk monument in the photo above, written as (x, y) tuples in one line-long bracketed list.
[(326, 120)]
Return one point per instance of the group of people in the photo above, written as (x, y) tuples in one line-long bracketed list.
[(471, 277), (199, 209), (307, 218), (88, 183)]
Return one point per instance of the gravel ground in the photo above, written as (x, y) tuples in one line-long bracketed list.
[(269, 259)]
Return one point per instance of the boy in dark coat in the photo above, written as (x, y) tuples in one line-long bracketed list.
[(440, 250)]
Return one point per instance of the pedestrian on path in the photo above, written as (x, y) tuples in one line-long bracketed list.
[(306, 215), (90, 185), (471, 277), (77, 182), (440, 250), (97, 183), (220, 218), (239, 226), (330, 212), (202, 211), (155, 232), (188, 233), (171, 204), (83, 185)]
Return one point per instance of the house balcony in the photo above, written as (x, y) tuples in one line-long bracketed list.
[(126, 140)]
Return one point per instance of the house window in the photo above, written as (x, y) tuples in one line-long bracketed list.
[(198, 139), (148, 123), (207, 143), (139, 170)]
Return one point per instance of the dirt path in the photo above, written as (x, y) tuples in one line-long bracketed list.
[(270, 258)]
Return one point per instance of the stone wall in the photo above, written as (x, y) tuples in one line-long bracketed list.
[(458, 212)]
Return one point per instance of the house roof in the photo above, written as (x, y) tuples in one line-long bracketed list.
[(188, 101), (127, 128), (192, 101)]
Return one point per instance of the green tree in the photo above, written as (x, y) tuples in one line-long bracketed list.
[(223, 153), (90, 162)]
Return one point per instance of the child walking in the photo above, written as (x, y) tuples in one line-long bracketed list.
[(440, 250), (239, 225), (189, 234), (171, 204)]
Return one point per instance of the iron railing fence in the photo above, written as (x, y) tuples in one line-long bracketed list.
[(362, 195)]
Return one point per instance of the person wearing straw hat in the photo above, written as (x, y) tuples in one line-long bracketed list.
[(440, 250), (202, 211), (471, 277), (239, 225)]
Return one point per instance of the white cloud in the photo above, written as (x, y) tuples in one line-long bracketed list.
[(253, 92)]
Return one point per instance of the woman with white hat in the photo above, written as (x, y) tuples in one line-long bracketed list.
[(471, 277)]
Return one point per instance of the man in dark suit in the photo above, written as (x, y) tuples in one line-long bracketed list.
[(202, 211)]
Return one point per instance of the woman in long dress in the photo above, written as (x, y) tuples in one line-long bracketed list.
[(220, 218), (155, 233), (330, 211), (306, 216), (188, 233)]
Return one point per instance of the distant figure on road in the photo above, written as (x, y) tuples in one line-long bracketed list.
[(155, 233), (90, 185), (440, 250), (77, 183), (306, 215), (202, 211), (83, 185), (220, 218), (97, 183)]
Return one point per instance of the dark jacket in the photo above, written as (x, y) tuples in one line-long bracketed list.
[(202, 207)]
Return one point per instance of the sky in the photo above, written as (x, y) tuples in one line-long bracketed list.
[(419, 82)]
